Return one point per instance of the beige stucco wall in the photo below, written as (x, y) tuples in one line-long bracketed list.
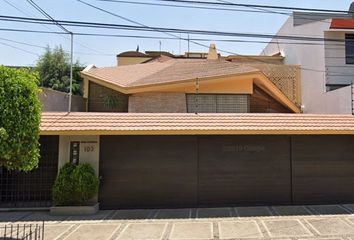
[(86, 142), (157, 102), (309, 57), (55, 101), (339, 101), (91, 157)]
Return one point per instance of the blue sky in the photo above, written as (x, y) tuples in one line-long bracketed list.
[(102, 50)]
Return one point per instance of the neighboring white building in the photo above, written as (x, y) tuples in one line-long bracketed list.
[(327, 66)]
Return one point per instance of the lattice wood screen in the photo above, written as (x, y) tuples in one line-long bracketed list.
[(286, 77)]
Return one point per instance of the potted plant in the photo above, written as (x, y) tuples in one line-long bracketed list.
[(74, 190)]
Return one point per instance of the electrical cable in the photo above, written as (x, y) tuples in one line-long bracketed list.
[(21, 49), (163, 30), (257, 6), (29, 15)]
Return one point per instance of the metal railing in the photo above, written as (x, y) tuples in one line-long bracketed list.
[(22, 231)]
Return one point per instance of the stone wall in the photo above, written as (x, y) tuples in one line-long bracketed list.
[(157, 102)]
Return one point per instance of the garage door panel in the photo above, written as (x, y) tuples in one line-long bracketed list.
[(244, 170), (323, 169), (148, 171)]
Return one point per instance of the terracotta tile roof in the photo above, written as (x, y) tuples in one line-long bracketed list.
[(342, 24), (173, 70), (188, 123)]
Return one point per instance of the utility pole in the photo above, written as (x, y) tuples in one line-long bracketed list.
[(188, 47), (71, 69), (180, 37), (38, 8)]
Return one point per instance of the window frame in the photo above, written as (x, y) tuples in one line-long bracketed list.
[(349, 47)]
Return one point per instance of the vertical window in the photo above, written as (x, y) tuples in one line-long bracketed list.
[(349, 48), (75, 152)]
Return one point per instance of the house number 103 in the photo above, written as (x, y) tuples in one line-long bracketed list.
[(89, 149)]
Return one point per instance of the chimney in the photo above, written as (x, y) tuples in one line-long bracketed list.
[(212, 54)]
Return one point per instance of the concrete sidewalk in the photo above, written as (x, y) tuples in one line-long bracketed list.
[(286, 222)]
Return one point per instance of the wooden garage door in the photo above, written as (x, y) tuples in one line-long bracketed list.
[(323, 169), (244, 170), (148, 171)]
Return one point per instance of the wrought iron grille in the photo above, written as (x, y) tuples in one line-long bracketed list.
[(22, 231), (34, 188)]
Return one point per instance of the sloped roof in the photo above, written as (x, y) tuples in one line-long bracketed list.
[(189, 123), (342, 24), (169, 71)]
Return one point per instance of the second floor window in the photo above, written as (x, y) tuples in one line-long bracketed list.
[(349, 48)]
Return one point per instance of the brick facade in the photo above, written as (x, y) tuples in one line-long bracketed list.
[(158, 102)]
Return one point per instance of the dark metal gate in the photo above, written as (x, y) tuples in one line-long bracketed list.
[(34, 188), (22, 231), (185, 171)]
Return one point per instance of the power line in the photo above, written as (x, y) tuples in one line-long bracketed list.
[(183, 6), (137, 36), (71, 46), (166, 30), (256, 6), (197, 43), (261, 9), (181, 30), (44, 25), (146, 28), (18, 9), (165, 38), (21, 49), (190, 6), (143, 25), (44, 13), (65, 30), (43, 47), (201, 32), (30, 31)]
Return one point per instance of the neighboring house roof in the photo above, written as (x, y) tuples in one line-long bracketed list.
[(342, 24), (301, 18), (159, 53), (153, 75), (173, 70), (88, 123), (132, 54)]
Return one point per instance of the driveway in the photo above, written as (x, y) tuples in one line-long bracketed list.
[(328, 222)]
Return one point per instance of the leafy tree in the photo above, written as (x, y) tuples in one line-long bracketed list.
[(20, 114), (54, 71)]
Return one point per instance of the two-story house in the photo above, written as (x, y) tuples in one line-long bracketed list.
[(325, 52), (184, 86), (208, 131)]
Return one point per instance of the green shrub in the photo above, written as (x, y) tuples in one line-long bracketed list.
[(20, 116), (75, 184)]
